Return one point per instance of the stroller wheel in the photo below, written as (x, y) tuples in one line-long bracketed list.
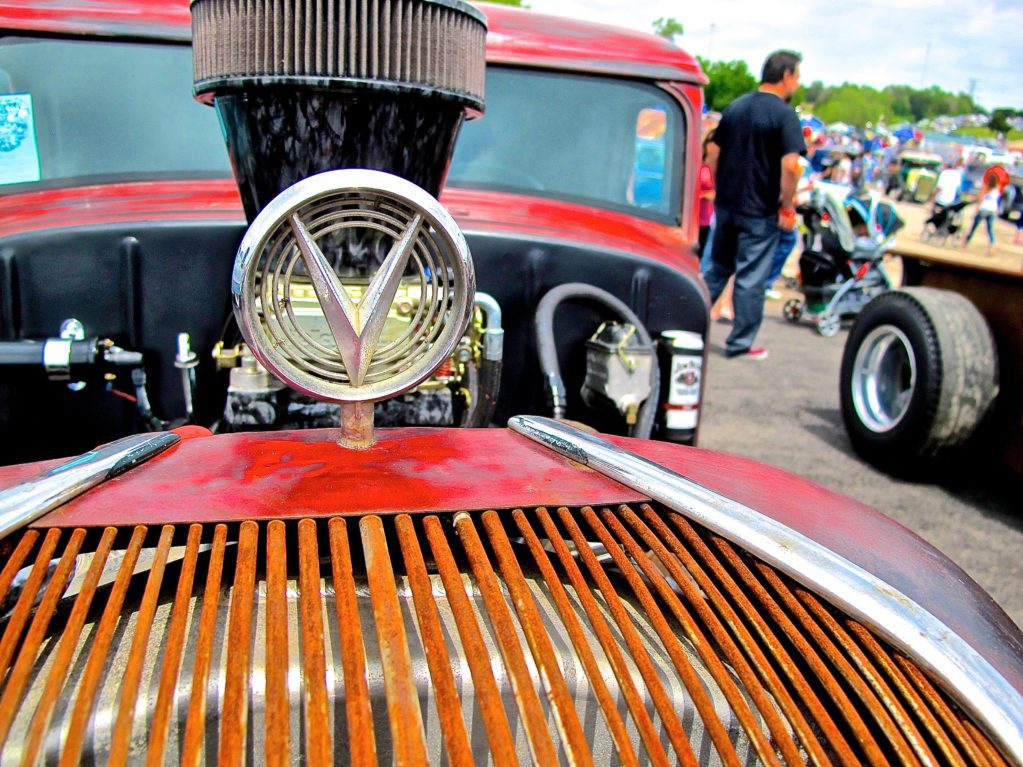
[(828, 324), (793, 310)]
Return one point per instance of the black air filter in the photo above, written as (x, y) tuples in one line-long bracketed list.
[(305, 86)]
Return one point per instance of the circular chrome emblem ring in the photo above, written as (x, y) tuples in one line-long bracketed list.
[(296, 239)]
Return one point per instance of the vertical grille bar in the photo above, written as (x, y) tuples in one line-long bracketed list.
[(278, 722), (626, 752), (502, 747), (235, 712), (539, 643), (673, 646), (456, 741), (319, 746), (907, 692), (65, 652), (353, 654), (18, 677), (845, 669), (863, 735), (195, 725), (728, 585), (399, 681), (175, 646), (20, 554), (869, 672), (137, 655), (736, 658), (713, 663), (92, 676), (665, 709), (973, 754), (540, 744), (23, 607)]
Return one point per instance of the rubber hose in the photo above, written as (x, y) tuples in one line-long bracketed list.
[(548, 352), (488, 385)]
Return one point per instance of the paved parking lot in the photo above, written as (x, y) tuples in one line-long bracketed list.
[(785, 411)]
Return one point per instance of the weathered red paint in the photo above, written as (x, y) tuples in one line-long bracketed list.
[(65, 207)]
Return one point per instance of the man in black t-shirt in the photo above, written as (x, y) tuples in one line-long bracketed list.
[(755, 159)]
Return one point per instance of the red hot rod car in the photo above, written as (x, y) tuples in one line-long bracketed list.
[(252, 571)]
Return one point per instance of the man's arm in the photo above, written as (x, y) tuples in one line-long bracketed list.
[(713, 152), (790, 173)]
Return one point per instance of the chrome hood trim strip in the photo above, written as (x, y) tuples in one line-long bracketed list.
[(26, 502), (975, 684)]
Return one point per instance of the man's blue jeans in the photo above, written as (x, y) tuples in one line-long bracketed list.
[(743, 246)]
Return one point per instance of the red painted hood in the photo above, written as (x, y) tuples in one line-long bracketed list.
[(215, 199)]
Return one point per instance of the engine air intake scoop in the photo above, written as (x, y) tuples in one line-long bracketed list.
[(306, 86)]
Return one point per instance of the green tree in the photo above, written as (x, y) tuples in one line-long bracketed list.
[(728, 81), (668, 28), (999, 120)]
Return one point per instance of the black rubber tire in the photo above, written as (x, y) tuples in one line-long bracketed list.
[(956, 378)]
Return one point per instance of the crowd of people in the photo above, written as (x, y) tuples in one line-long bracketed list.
[(752, 162)]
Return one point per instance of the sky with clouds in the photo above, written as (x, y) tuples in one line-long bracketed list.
[(871, 42)]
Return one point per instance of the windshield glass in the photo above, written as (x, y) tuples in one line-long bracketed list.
[(605, 142), (77, 110)]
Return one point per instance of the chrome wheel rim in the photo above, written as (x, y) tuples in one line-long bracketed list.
[(883, 378)]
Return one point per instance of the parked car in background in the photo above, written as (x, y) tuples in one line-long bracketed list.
[(303, 586)]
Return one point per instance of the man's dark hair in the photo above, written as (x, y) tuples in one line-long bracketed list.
[(777, 64)]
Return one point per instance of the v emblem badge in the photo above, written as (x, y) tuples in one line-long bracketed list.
[(356, 327)]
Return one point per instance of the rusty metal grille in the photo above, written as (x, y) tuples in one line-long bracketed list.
[(573, 636)]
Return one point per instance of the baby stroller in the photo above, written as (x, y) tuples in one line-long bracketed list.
[(840, 267), (945, 222)]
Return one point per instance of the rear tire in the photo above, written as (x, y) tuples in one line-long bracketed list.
[(919, 372)]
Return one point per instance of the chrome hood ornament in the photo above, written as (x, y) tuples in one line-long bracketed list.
[(343, 356)]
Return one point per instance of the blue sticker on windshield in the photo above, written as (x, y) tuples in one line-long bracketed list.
[(19, 154)]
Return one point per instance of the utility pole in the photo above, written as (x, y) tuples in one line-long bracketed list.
[(973, 88), (710, 40)]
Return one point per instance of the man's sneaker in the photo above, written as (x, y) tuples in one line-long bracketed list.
[(772, 294), (753, 353)]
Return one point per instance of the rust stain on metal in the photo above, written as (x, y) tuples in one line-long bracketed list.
[(456, 740), (278, 704), (137, 655), (89, 686), (863, 736), (235, 710), (728, 586), (870, 674), (845, 669), (502, 746), (752, 666), (65, 652), (665, 708), (399, 681), (540, 744), (319, 745), (20, 553), (539, 643), (353, 654), (943, 711), (906, 691), (175, 646), (21, 670), (195, 725), (23, 607), (626, 753)]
